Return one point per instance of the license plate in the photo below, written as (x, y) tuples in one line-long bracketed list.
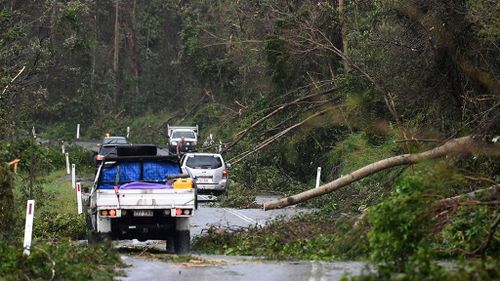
[(204, 180), (143, 213)]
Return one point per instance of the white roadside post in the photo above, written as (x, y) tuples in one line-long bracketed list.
[(63, 149), (73, 176), (318, 177), (128, 131), (77, 131), (79, 197), (28, 228), (68, 171)]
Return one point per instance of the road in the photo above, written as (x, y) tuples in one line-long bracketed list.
[(222, 268), (209, 267)]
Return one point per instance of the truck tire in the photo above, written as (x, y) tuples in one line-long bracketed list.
[(182, 242), (170, 244)]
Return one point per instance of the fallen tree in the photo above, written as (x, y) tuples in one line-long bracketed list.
[(460, 146)]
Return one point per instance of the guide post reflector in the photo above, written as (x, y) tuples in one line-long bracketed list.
[(73, 176), (28, 228), (79, 197)]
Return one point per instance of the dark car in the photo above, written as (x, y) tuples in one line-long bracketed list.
[(108, 147), (107, 150)]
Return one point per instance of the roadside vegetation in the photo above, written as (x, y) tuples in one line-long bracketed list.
[(57, 252), (286, 87)]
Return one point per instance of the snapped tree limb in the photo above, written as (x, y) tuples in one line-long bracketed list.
[(463, 145), (242, 134), (268, 141)]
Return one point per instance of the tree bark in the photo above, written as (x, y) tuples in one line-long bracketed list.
[(343, 32), (463, 145), (134, 54), (117, 37), (116, 55)]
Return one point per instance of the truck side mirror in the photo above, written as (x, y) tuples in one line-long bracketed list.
[(228, 165)]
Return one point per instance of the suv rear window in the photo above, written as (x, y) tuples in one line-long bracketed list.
[(204, 162)]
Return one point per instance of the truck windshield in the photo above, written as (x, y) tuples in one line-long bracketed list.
[(114, 140), (204, 162), (181, 134)]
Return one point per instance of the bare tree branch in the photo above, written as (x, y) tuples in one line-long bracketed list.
[(12, 80)]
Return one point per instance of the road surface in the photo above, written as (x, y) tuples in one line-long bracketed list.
[(223, 268)]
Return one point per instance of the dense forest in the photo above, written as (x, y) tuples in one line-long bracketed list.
[(286, 86)]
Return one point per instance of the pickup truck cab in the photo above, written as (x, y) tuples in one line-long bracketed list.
[(184, 137), (208, 170), (140, 195)]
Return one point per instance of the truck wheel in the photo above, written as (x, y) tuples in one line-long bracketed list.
[(182, 242), (170, 244)]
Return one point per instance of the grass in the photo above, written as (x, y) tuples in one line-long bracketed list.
[(64, 196)]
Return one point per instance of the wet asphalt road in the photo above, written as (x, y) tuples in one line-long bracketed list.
[(223, 268), (238, 268)]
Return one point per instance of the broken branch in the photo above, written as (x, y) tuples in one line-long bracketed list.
[(268, 141), (463, 145), (242, 134)]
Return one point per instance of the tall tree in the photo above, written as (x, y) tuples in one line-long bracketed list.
[(116, 56)]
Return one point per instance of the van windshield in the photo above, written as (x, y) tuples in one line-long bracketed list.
[(204, 162), (183, 134)]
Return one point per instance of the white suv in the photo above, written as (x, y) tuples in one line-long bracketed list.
[(208, 170)]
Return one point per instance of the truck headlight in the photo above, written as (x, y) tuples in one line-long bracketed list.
[(174, 143), (188, 143)]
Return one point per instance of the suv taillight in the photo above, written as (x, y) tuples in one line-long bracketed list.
[(99, 157), (224, 173)]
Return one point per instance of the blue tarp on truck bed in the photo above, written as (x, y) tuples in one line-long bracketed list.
[(147, 171)]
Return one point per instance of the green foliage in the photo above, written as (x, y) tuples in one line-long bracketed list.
[(299, 238), (6, 198), (66, 259), (400, 225), (45, 158), (278, 57), (56, 225), (468, 230), (81, 157), (238, 196)]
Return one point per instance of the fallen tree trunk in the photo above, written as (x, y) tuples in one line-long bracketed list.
[(463, 145)]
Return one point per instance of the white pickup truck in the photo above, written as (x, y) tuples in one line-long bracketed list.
[(184, 137), (139, 195)]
